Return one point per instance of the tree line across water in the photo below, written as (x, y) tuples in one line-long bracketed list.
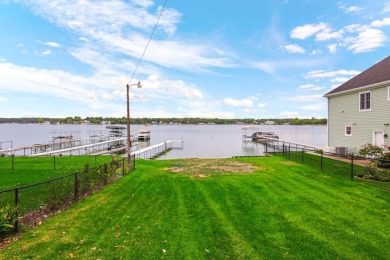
[(139, 121)]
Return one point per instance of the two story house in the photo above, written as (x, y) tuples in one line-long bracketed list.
[(359, 110)]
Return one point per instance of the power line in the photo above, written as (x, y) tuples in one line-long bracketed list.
[(147, 45)]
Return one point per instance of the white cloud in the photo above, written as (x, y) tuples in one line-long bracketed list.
[(289, 114), (307, 30), (314, 52), (238, 102), (357, 38), (386, 9), (351, 9), (310, 87), (46, 53), (271, 67), (174, 88), (294, 48), (143, 3), (309, 98), (332, 48), (366, 41), (50, 82), (179, 88), (110, 17), (355, 28), (340, 79), (2, 100), (51, 44), (115, 28), (314, 107), (219, 51), (262, 105), (98, 91), (330, 74), (381, 23), (267, 67), (208, 114), (328, 34)]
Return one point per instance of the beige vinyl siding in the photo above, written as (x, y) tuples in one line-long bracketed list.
[(343, 110)]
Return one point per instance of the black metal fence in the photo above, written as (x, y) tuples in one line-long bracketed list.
[(48, 196), (346, 165), (44, 163)]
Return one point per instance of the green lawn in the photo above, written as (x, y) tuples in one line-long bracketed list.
[(28, 170), (262, 208)]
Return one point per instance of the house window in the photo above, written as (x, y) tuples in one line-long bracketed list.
[(365, 101), (348, 131)]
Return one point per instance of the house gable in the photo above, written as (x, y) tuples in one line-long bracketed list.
[(379, 73), (358, 110)]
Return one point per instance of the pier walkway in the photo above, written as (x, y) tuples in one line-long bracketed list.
[(157, 149), (93, 143), (100, 148), (149, 151)]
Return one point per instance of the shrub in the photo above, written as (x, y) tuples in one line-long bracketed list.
[(371, 172), (371, 151), (8, 217)]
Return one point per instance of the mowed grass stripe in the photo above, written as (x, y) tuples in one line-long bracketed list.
[(278, 211)]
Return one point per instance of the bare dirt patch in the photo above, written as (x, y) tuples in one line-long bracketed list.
[(290, 163), (203, 168)]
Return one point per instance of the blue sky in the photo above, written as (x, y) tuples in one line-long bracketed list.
[(224, 59)]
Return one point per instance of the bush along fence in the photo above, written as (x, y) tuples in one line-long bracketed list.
[(346, 165), (28, 205)]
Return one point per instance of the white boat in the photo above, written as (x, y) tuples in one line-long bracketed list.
[(116, 131), (143, 134), (262, 136)]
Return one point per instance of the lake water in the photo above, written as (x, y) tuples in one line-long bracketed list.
[(199, 141)]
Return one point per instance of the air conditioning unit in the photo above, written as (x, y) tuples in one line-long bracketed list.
[(328, 149), (341, 150)]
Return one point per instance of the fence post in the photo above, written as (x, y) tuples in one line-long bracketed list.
[(133, 163), (266, 146), (123, 167), (322, 155), (352, 167), (283, 149), (289, 151), (16, 225), (105, 174), (76, 186), (274, 145)]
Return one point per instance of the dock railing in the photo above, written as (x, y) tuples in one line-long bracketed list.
[(33, 202), (346, 165), (155, 150)]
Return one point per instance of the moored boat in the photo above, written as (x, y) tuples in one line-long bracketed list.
[(143, 134), (263, 136)]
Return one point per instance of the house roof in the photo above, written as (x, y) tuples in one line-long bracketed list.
[(378, 73)]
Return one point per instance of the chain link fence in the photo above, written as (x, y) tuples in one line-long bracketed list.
[(345, 165), (32, 202)]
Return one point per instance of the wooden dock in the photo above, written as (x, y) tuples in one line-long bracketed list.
[(77, 146), (157, 149), (100, 148)]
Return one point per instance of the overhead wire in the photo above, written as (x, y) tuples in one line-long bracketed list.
[(147, 45)]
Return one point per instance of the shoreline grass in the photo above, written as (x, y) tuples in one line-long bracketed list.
[(281, 209), (29, 170)]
